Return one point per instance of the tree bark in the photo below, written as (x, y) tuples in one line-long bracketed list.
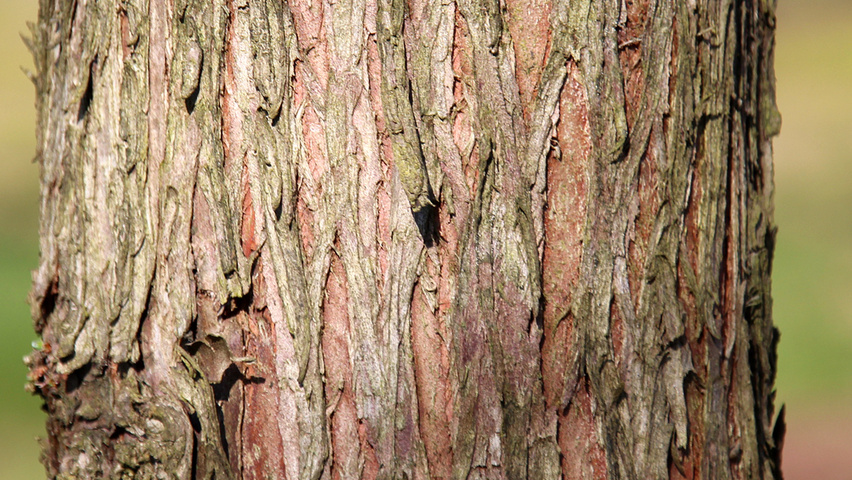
[(406, 239)]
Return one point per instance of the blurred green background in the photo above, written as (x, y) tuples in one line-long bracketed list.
[(812, 283)]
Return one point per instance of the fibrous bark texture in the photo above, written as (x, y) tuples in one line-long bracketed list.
[(412, 239)]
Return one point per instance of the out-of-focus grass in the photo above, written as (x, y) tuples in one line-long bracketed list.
[(812, 280), (812, 285), (21, 420)]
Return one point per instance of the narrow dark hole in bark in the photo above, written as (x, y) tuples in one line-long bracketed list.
[(190, 335), (537, 316), (625, 150), (239, 304), (220, 415), (279, 209), (193, 420), (222, 387), (125, 367), (191, 99), (118, 433), (75, 379), (194, 469), (427, 223), (47, 306), (86, 101), (140, 364)]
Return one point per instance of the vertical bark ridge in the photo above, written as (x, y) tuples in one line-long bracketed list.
[(407, 239), (193, 154), (343, 419), (428, 36), (527, 22), (262, 140), (567, 172)]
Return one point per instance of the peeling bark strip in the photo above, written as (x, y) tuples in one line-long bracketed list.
[(406, 239)]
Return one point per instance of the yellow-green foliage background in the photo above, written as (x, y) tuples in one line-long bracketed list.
[(813, 267)]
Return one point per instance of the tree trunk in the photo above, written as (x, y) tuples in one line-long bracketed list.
[(406, 239)]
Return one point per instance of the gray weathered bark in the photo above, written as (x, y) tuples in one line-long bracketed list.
[(406, 239)]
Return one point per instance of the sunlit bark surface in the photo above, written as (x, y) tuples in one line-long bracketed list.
[(406, 239)]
